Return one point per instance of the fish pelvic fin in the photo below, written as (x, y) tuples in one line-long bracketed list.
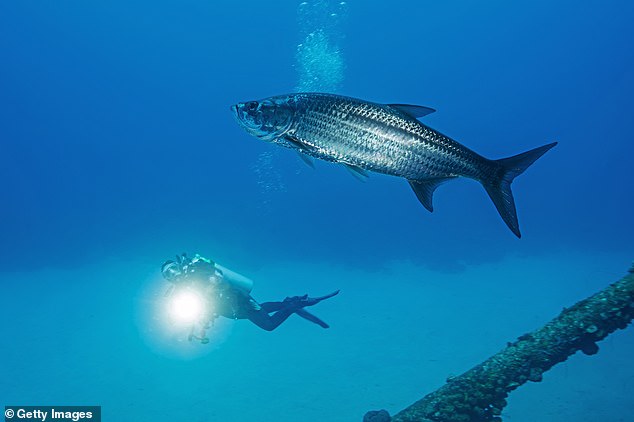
[(306, 159), (424, 189), (500, 190), (359, 173)]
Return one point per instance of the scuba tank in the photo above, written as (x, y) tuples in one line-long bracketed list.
[(183, 267), (234, 279)]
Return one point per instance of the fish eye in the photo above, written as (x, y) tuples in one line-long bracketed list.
[(251, 105)]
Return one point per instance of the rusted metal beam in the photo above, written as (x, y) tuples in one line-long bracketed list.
[(479, 395)]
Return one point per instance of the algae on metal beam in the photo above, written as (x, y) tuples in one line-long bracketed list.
[(479, 395)]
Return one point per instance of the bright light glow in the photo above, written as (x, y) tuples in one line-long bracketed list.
[(186, 307)]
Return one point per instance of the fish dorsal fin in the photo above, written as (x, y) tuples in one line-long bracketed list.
[(424, 189), (306, 159), (413, 110), (357, 172)]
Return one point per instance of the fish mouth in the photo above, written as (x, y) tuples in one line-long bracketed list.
[(242, 118), (235, 109)]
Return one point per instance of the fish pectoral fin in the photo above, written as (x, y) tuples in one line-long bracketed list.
[(301, 148), (424, 189), (413, 110), (298, 144), (306, 159), (357, 172)]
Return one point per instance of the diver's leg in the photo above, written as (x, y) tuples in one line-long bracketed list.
[(284, 309), (304, 300), (269, 307), (270, 322)]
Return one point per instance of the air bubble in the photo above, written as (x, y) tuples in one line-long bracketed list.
[(319, 58)]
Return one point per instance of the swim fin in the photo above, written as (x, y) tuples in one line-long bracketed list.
[(303, 301), (310, 301), (328, 296), (312, 318)]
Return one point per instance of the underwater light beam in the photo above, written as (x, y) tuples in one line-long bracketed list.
[(186, 307)]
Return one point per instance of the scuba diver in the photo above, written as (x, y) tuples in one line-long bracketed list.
[(202, 290)]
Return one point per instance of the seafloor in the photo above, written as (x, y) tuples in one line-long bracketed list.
[(397, 333)]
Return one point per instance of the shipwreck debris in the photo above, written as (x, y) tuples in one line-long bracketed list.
[(479, 395)]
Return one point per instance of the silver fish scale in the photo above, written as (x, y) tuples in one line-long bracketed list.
[(380, 138)]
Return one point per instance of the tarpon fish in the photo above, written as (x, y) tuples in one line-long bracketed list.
[(384, 138)]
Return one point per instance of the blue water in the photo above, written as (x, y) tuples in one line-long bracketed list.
[(119, 151)]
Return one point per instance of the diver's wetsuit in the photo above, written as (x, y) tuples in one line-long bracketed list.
[(236, 303)]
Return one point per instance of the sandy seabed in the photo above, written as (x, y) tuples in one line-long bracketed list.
[(92, 337)]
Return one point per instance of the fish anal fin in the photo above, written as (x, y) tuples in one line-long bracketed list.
[(357, 172), (424, 189), (413, 110)]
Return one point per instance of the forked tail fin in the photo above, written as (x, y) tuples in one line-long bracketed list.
[(500, 190)]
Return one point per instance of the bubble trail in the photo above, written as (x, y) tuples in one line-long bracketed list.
[(320, 65), (319, 56)]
